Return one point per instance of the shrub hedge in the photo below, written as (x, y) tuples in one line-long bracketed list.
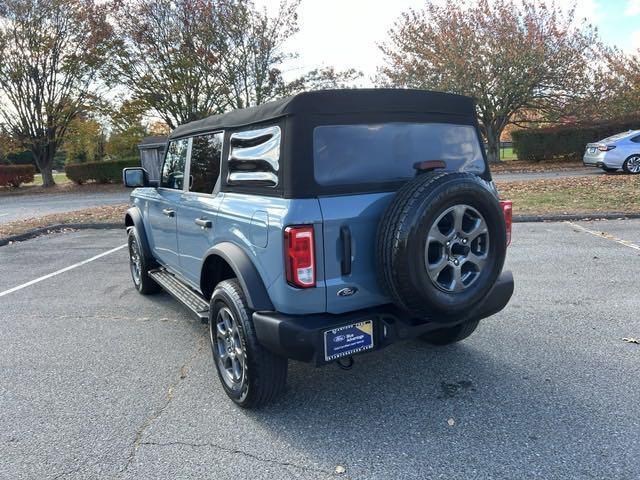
[(14, 175), (566, 142), (109, 171)]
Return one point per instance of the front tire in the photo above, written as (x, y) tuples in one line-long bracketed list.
[(139, 266), (447, 336), (250, 375)]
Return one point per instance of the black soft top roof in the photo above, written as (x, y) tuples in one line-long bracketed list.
[(347, 101)]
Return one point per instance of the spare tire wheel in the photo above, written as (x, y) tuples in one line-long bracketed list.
[(441, 245)]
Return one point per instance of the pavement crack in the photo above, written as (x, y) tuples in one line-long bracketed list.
[(235, 451), (183, 372)]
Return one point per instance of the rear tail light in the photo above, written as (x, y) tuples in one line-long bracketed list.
[(507, 209), (606, 148), (300, 256)]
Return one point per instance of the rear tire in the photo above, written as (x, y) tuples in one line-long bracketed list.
[(140, 265), (632, 165), (250, 375), (447, 336)]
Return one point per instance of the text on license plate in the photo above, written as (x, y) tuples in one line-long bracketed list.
[(347, 340)]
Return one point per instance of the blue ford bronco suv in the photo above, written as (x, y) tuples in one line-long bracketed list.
[(321, 226)]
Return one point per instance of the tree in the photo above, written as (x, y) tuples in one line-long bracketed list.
[(184, 60), (52, 52), (251, 51), (511, 55), (127, 130), (617, 91), (85, 141), (325, 78), (7, 146), (167, 58)]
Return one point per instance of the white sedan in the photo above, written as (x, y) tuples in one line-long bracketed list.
[(615, 152)]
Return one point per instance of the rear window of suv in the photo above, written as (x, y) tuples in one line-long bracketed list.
[(386, 152)]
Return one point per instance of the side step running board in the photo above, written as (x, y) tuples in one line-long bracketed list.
[(181, 292)]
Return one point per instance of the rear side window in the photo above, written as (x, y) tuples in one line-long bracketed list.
[(174, 163), (206, 152), (636, 139), (378, 153), (254, 157)]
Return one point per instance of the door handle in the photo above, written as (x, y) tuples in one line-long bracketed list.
[(168, 212), (203, 222)]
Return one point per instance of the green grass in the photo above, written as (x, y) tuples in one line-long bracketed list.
[(59, 178), (507, 154), (604, 193)]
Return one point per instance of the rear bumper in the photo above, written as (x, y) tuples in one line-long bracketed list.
[(593, 160), (605, 159), (301, 337)]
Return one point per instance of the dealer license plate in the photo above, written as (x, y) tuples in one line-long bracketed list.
[(592, 150), (348, 340)]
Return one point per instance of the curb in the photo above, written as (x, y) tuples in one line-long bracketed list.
[(36, 232), (574, 217), (516, 219)]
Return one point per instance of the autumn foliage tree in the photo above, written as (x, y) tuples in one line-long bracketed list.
[(51, 54), (166, 57), (127, 130), (616, 86), (510, 55), (187, 59), (251, 51)]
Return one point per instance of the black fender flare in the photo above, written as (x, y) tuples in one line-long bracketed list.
[(136, 217), (246, 273)]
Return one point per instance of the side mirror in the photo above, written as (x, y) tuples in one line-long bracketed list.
[(135, 177)]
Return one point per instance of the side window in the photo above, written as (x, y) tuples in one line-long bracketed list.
[(636, 139), (206, 152), (174, 162), (254, 157)]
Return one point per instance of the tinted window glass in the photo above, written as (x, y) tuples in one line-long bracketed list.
[(351, 154), (174, 162), (636, 139), (206, 151)]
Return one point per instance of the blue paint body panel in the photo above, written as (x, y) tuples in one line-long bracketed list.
[(256, 224)]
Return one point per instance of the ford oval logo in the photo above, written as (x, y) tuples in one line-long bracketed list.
[(347, 291), (339, 338)]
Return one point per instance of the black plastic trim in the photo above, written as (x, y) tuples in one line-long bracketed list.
[(345, 237), (246, 273), (136, 216), (300, 337)]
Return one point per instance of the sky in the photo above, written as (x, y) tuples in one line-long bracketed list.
[(344, 33)]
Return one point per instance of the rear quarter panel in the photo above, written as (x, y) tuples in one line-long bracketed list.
[(256, 224)]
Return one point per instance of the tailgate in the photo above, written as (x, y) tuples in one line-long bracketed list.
[(356, 216)]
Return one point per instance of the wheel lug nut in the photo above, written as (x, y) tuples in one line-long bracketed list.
[(456, 262)]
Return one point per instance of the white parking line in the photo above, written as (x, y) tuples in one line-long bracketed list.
[(606, 236), (3, 214), (58, 272)]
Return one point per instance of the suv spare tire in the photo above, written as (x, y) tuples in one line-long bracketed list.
[(441, 245)]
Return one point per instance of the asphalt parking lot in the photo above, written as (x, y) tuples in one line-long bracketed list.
[(18, 207), (100, 382)]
